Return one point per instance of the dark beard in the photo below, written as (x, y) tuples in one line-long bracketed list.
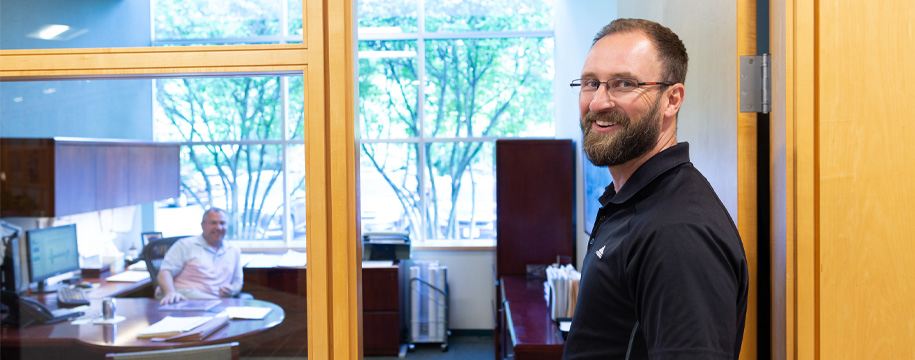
[(632, 141)]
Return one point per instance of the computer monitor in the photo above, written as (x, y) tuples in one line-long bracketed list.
[(52, 252)]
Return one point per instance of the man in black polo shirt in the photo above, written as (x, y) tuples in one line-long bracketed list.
[(665, 274)]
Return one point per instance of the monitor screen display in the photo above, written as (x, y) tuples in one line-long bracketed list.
[(52, 251)]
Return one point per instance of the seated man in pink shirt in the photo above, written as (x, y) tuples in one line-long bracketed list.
[(203, 266)]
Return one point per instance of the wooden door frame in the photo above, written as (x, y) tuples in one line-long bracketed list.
[(792, 175)]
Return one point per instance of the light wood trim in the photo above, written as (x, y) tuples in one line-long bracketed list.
[(346, 252), (319, 301), (29, 64), (334, 266), (794, 72), (747, 181), (806, 221)]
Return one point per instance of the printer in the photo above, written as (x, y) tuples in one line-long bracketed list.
[(386, 245)]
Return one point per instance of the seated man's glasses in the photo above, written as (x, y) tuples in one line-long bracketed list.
[(614, 86)]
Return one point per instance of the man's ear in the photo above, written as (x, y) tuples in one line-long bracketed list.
[(674, 99)]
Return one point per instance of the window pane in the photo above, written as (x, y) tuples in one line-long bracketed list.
[(489, 87), (244, 180), (388, 188), (59, 24), (388, 16), (461, 191), (388, 89), (217, 109), (295, 174), (492, 15), (295, 117), (226, 19)]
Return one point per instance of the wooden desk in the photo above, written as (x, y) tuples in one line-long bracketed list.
[(526, 329), (142, 288), (91, 341)]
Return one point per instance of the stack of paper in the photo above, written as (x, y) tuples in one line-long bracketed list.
[(201, 332), (247, 312), (129, 276), (172, 325), (562, 284)]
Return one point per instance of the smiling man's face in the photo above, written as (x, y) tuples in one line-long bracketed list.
[(618, 127)]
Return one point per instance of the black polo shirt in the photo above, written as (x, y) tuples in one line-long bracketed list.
[(663, 254)]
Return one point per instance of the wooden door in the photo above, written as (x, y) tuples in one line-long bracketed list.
[(843, 200)]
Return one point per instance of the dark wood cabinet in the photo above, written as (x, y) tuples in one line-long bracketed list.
[(382, 328), (535, 197), (64, 176)]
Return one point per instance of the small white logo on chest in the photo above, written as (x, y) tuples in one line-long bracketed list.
[(600, 252)]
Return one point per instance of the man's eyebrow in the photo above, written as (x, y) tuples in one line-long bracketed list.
[(624, 74)]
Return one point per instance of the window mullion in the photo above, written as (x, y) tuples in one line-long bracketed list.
[(421, 114)]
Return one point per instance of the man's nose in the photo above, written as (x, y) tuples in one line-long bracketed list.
[(601, 101)]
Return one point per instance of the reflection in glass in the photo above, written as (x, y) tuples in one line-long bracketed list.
[(491, 15), (388, 89), (489, 87), (388, 16), (295, 114), (388, 188), (232, 153), (226, 19), (295, 186), (66, 24), (218, 109), (461, 190), (245, 180)]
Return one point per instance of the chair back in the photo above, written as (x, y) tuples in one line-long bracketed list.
[(208, 352), (153, 254)]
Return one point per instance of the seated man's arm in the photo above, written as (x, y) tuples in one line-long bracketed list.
[(167, 284)]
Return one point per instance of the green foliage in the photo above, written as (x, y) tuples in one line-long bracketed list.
[(230, 169), (207, 19), (488, 15), (474, 88)]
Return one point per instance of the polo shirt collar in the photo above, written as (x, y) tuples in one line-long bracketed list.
[(655, 166), (203, 244)]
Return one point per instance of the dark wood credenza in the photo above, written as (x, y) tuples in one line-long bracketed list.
[(536, 227)]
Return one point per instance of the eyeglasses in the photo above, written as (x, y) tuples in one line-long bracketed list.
[(621, 85)]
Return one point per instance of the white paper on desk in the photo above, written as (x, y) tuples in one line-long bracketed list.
[(377, 263), (293, 258), (138, 266), (247, 312), (260, 260), (129, 276), (175, 324)]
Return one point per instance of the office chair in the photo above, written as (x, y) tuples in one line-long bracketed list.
[(208, 352), (154, 253)]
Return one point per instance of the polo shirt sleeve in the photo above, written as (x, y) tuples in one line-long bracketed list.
[(684, 288), (175, 257)]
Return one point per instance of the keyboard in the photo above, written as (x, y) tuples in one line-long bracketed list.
[(71, 297)]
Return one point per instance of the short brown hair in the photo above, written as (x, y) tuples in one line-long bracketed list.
[(671, 51)]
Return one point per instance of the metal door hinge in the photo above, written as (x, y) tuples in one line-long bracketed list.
[(755, 84)]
